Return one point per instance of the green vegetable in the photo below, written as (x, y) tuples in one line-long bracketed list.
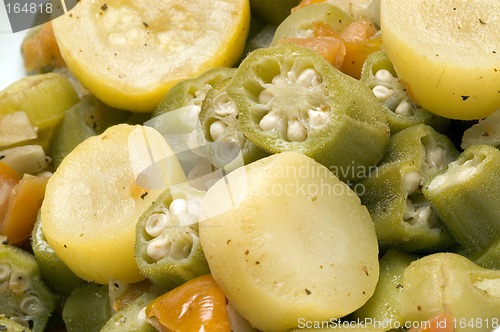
[(87, 309), (87, 118), (291, 99), (446, 282), (380, 76), (44, 98), (272, 11), (488, 257), (466, 197), (403, 218), (384, 305), (24, 297), (54, 272), (192, 91), (301, 22), (221, 129), (486, 131), (10, 325), (132, 317), (167, 247)]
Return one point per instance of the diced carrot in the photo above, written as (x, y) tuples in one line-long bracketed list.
[(330, 48), (23, 204), (358, 31), (321, 29), (9, 177), (40, 50), (356, 54), (441, 323)]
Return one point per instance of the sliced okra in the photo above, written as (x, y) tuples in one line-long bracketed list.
[(450, 282), (87, 309), (24, 298), (191, 92), (8, 325), (380, 76), (403, 217), (52, 269), (384, 305), (272, 11), (219, 120), (291, 99), (486, 131), (167, 247), (466, 196), (488, 258), (132, 317)]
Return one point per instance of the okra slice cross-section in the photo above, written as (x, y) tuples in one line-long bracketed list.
[(467, 197), (167, 247), (290, 99), (219, 120), (24, 298), (379, 74), (403, 217)]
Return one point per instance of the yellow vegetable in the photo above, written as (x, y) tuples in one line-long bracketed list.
[(130, 53), (446, 52), (98, 192), (286, 240)]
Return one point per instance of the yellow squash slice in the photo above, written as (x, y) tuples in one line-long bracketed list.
[(95, 197), (129, 53), (446, 52)]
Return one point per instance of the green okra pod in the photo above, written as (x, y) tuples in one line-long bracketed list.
[(291, 99), (132, 317), (466, 196), (54, 272), (24, 298), (192, 91), (87, 309), (10, 325), (384, 304), (380, 76), (485, 132), (167, 247), (222, 132), (403, 218)]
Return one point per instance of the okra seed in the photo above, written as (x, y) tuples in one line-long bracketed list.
[(310, 78), (178, 206), (409, 211), (5, 270), (265, 96), (228, 149), (223, 105), (296, 132), (18, 282), (317, 118), (181, 248), (382, 93), (31, 305), (217, 128), (384, 75), (269, 122), (404, 108), (192, 113), (156, 224), (411, 181), (158, 248)]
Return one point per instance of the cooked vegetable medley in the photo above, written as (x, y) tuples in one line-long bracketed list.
[(254, 165)]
